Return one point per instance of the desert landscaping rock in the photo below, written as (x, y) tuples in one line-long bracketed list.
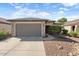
[(70, 54), (60, 47), (76, 49), (76, 44)]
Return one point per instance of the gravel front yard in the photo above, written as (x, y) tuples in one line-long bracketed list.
[(61, 47)]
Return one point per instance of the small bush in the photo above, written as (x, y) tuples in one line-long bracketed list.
[(65, 32), (3, 35), (78, 35), (77, 30), (73, 34), (54, 29)]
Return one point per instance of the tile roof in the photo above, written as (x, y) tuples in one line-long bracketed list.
[(29, 19), (3, 20), (74, 22)]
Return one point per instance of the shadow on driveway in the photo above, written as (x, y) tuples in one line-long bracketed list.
[(49, 38), (63, 38)]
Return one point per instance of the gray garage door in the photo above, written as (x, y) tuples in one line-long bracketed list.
[(28, 29)]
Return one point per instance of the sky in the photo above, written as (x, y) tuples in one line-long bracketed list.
[(52, 11)]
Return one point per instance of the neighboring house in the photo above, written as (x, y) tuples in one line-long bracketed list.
[(5, 26), (30, 26), (72, 25)]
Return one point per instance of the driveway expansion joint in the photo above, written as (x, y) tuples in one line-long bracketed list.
[(11, 49)]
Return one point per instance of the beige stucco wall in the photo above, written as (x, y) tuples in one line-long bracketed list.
[(76, 27), (50, 23), (42, 27), (68, 28), (5, 27)]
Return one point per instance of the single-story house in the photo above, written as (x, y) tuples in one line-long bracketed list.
[(30, 26), (5, 26), (72, 25)]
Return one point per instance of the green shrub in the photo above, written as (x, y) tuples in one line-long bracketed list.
[(73, 34), (65, 32), (54, 29), (3, 35), (77, 30)]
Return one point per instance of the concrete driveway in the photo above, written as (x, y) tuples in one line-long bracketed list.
[(17, 47)]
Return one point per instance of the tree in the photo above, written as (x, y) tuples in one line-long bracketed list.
[(62, 20)]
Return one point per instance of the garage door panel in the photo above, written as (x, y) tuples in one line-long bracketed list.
[(28, 29)]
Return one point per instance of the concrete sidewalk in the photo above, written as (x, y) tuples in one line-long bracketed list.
[(8, 44), (73, 38), (17, 47)]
